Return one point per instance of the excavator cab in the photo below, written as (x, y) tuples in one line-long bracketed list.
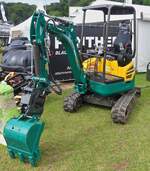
[(116, 61)]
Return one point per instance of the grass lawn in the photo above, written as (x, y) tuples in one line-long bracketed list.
[(89, 141)]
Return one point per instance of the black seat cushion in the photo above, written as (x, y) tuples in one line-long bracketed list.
[(123, 41)]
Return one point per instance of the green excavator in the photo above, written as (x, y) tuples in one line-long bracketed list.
[(98, 86), (106, 78)]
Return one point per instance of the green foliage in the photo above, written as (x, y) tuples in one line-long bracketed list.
[(64, 7), (58, 9), (53, 9), (146, 2), (80, 3), (61, 9), (142, 2), (138, 2), (18, 12)]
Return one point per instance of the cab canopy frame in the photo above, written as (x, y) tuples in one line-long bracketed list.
[(109, 10)]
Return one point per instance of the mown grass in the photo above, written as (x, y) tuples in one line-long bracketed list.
[(89, 141)]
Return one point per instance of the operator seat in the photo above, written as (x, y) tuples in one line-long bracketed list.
[(123, 44)]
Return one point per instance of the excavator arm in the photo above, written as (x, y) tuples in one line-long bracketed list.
[(65, 32), (22, 134)]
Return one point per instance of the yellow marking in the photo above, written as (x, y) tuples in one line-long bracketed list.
[(112, 68)]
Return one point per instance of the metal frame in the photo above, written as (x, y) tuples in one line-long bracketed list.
[(109, 10)]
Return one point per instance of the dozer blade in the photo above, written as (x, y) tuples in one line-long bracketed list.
[(22, 136)]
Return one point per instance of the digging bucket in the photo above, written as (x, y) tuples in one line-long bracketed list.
[(22, 136)]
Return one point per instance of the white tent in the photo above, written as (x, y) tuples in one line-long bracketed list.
[(21, 30)]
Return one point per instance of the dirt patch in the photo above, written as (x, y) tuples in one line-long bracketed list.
[(120, 166), (67, 85)]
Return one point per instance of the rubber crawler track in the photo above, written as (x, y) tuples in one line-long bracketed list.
[(73, 102), (124, 105)]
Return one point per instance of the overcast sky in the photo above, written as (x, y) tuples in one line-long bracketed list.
[(33, 1)]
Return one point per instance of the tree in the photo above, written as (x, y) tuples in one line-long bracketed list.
[(80, 3), (142, 2), (64, 5), (146, 2), (58, 9), (54, 9), (18, 12), (62, 9), (138, 2)]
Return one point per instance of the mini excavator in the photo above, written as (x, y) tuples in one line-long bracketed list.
[(106, 78), (111, 88)]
